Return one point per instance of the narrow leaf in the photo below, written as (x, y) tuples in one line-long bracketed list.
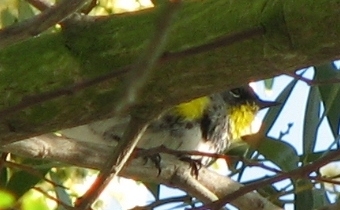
[(20, 182), (153, 188), (24, 11), (320, 198), (304, 197), (268, 83), (281, 153), (330, 94), (311, 121)]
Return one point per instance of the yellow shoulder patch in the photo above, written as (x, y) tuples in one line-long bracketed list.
[(193, 109)]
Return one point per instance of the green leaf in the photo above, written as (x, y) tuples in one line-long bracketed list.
[(24, 11), (240, 150), (3, 177), (7, 17), (153, 188), (330, 94), (311, 121), (7, 200), (320, 198), (304, 197), (269, 192), (22, 181), (268, 83), (281, 153), (33, 200)]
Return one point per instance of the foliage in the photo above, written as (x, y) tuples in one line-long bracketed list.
[(308, 186)]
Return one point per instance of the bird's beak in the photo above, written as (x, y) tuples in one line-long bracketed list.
[(267, 104)]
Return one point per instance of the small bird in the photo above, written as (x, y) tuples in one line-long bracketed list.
[(206, 124)]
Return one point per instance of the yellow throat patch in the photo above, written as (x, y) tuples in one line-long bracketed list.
[(240, 119), (240, 116)]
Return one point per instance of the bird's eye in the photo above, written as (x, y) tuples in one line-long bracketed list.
[(236, 93)]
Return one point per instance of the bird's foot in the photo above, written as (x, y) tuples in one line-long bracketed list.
[(195, 165), (154, 158)]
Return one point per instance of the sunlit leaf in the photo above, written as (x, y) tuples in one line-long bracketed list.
[(34, 201), (7, 17), (281, 153), (24, 10), (7, 199)]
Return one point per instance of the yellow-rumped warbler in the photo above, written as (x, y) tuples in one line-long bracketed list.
[(207, 124)]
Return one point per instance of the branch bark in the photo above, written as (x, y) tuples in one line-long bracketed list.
[(174, 173), (93, 48)]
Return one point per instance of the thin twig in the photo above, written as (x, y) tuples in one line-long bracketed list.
[(135, 82), (324, 179), (157, 203), (40, 4), (29, 101), (53, 198), (311, 82), (39, 23), (163, 149), (32, 171), (219, 42), (112, 166), (299, 172), (89, 8)]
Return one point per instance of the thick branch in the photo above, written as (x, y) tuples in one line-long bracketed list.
[(87, 50), (174, 172)]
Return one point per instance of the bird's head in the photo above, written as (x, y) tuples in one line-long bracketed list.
[(242, 107)]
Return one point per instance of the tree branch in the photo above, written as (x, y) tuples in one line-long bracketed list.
[(94, 155), (219, 42), (40, 4), (157, 203), (134, 87), (223, 41), (29, 101), (301, 172), (89, 49), (39, 23)]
